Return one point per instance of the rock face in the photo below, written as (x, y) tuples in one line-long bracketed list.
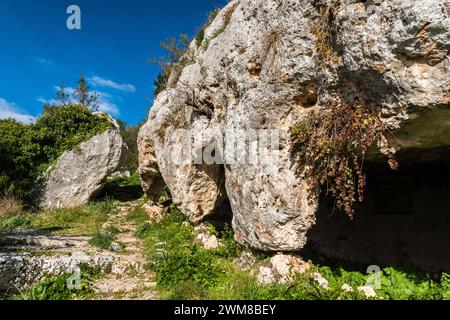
[(197, 189), (265, 65), (82, 172)]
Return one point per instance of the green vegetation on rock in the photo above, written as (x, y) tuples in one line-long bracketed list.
[(26, 151)]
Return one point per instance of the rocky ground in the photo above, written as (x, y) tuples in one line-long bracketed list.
[(31, 256)]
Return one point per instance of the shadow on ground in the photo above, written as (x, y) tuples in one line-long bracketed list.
[(123, 189)]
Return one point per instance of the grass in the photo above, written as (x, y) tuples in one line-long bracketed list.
[(215, 34), (104, 239), (15, 223), (12, 214), (80, 221), (185, 271), (84, 220), (10, 206)]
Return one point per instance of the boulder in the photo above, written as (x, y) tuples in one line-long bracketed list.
[(79, 174), (265, 65), (197, 189), (205, 238)]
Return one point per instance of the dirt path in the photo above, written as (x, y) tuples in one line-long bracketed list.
[(29, 257), (138, 283)]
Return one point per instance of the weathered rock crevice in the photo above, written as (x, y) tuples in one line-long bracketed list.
[(403, 222)]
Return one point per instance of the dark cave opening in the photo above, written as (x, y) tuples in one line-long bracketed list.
[(404, 221)]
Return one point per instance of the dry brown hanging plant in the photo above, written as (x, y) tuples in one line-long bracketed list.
[(331, 144)]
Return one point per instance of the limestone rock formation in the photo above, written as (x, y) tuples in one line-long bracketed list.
[(265, 65), (82, 172), (197, 189)]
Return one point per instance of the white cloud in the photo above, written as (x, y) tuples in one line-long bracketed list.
[(43, 61), (9, 110), (108, 107), (101, 82), (47, 101)]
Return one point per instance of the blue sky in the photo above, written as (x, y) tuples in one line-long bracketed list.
[(112, 49)]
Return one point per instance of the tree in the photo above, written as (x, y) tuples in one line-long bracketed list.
[(130, 135), (177, 57), (83, 95), (62, 95)]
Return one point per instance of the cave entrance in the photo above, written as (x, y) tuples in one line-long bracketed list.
[(404, 221)]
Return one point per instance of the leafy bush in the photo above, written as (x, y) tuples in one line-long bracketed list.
[(26, 151), (20, 156), (402, 285), (130, 136), (63, 128)]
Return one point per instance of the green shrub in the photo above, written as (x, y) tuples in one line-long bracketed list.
[(200, 37), (130, 136), (123, 188), (26, 151), (64, 127), (229, 248), (401, 285), (20, 157)]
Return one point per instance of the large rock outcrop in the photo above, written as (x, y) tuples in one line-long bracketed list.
[(265, 65), (197, 188), (79, 174)]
